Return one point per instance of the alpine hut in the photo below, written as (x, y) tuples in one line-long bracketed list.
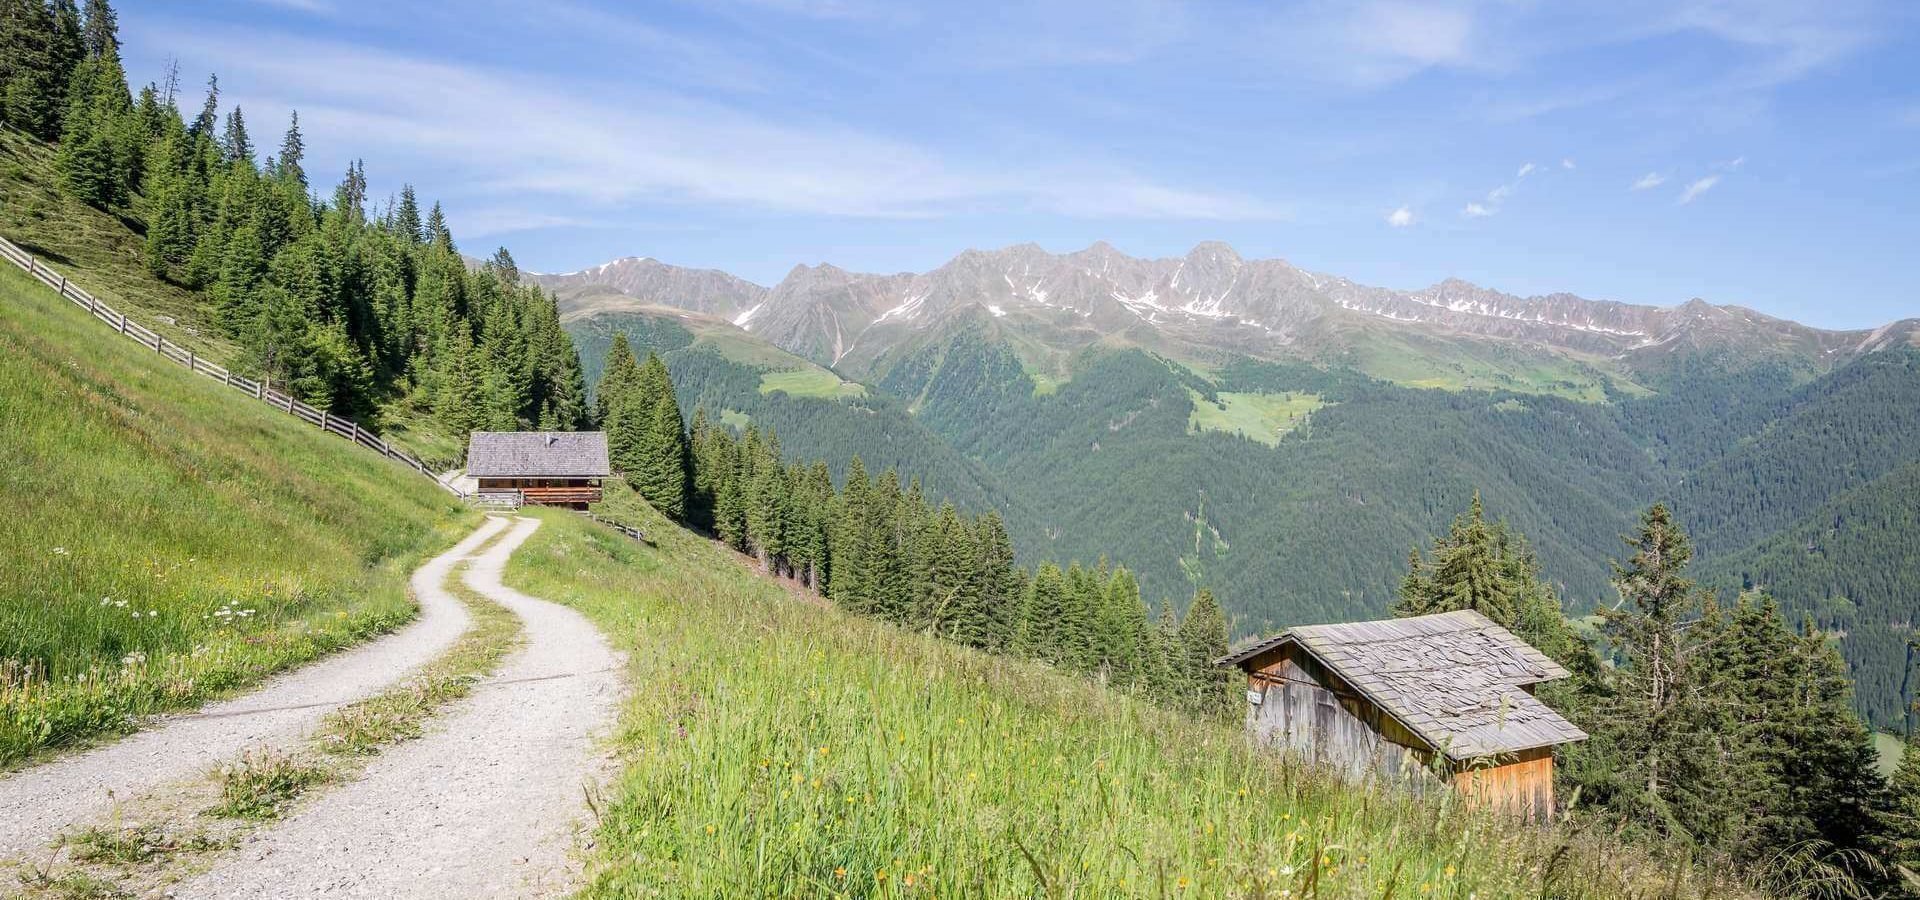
[(1446, 697), (557, 468)]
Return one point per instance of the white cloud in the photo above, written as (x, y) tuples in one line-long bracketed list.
[(1477, 211), (1731, 164), (1400, 218), (597, 148), (1567, 163), (1697, 187), (1648, 181), (1525, 170)]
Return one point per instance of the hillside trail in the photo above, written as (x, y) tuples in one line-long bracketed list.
[(488, 804), (37, 804)]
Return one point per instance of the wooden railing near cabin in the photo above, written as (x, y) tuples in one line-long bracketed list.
[(259, 390)]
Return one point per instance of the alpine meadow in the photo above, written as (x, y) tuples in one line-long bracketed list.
[(819, 555)]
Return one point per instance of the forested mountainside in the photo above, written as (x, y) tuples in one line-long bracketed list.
[(1294, 490)]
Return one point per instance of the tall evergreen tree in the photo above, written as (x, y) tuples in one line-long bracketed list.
[(293, 153), (1203, 639), (660, 459)]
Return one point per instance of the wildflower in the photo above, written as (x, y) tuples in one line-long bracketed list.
[(823, 749), (1450, 871), (709, 829), (973, 776), (1182, 882), (798, 778), (880, 875), (908, 880), (839, 871)]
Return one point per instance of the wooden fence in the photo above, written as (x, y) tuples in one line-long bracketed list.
[(259, 390)]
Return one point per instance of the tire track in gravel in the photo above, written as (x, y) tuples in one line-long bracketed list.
[(488, 804), (38, 803)]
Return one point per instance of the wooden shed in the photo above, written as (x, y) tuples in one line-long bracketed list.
[(1446, 698), (557, 468)]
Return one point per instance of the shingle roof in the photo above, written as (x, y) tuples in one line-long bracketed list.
[(537, 454), (1454, 679)]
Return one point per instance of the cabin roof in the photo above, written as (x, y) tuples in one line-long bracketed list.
[(537, 454), (1455, 679)]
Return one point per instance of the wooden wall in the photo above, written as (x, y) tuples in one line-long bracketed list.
[(1522, 784), (1309, 710)]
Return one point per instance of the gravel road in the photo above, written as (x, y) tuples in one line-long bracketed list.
[(487, 804), (38, 803)]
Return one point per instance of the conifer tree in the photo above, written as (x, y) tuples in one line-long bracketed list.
[(293, 152), (406, 219), (102, 36), (1648, 725), (1000, 590), (1042, 635), (660, 450), (1897, 816), (1465, 573), (33, 84), (1124, 628), (1203, 639), (235, 145)]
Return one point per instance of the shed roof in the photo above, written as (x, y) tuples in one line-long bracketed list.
[(537, 454), (1455, 679)]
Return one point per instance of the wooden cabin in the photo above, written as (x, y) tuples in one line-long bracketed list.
[(555, 468), (1437, 699)]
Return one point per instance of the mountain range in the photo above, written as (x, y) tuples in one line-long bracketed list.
[(1204, 306), (1284, 436)]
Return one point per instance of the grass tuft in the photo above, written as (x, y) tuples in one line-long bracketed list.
[(131, 845), (263, 783), (363, 728)]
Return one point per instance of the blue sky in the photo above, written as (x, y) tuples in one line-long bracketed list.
[(1760, 152)]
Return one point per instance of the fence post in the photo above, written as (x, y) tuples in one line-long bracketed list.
[(259, 390), (123, 323), (190, 362), (323, 420)]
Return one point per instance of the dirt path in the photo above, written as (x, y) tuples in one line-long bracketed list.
[(38, 803), (486, 805)]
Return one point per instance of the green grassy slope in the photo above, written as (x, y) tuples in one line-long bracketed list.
[(99, 250), (776, 747), (168, 538)]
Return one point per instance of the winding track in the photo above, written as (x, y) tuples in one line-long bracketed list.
[(486, 805), (38, 803)]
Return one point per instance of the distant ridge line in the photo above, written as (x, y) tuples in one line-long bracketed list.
[(338, 426)]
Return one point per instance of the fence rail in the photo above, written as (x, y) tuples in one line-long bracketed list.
[(262, 391)]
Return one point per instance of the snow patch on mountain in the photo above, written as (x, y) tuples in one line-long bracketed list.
[(745, 319)]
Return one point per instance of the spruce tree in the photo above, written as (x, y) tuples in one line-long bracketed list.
[(660, 448), (1042, 635), (1203, 639), (406, 219), (33, 86), (1648, 726), (1465, 573), (102, 36), (235, 145), (293, 152)]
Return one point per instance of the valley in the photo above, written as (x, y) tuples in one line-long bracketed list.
[(1017, 380)]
